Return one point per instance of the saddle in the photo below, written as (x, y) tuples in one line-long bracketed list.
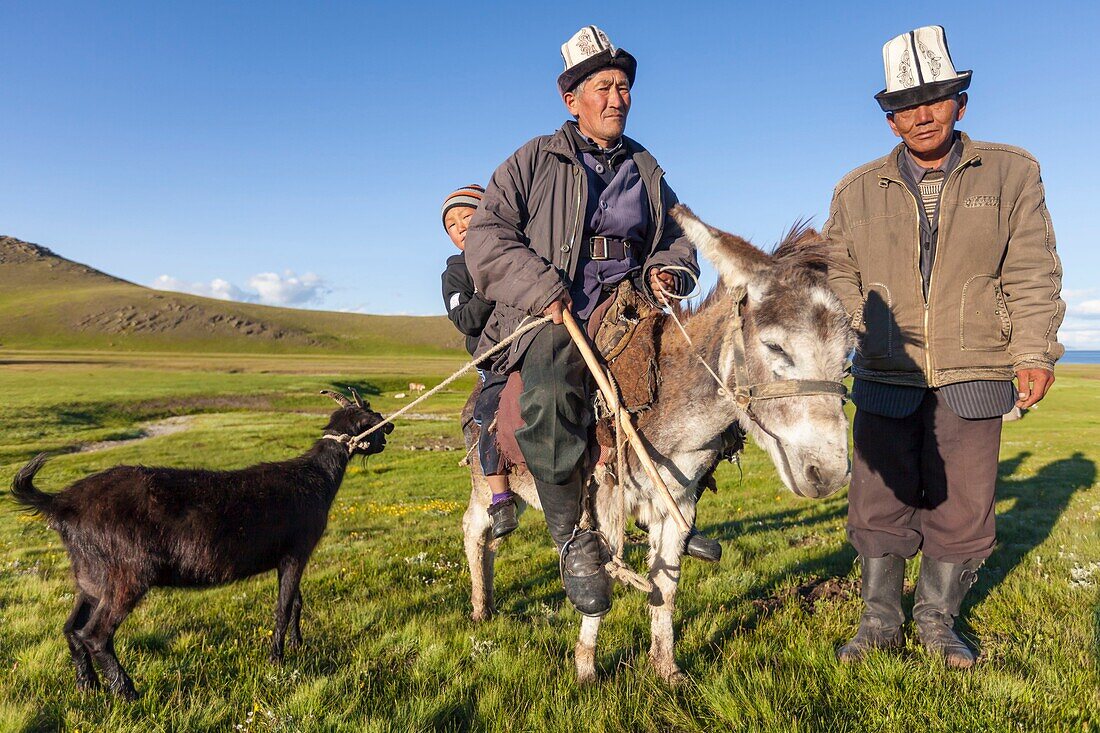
[(625, 330)]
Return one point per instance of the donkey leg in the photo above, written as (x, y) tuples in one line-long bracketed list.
[(290, 575), (477, 531), (98, 636), (86, 678), (666, 542), (294, 640), (585, 651)]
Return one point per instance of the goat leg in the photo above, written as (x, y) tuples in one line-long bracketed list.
[(98, 635), (290, 575), (295, 639), (86, 678)]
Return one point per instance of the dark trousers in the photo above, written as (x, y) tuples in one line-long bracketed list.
[(485, 410), (555, 406), (924, 482)]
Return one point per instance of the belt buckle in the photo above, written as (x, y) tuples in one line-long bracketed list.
[(601, 242)]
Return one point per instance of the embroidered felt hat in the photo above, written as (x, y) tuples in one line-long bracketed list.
[(588, 51), (919, 69)]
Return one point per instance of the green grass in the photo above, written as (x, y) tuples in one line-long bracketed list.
[(388, 642)]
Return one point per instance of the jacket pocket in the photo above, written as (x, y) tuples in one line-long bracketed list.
[(875, 325), (984, 324)]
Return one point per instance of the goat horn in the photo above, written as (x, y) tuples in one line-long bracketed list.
[(358, 398), (341, 399)]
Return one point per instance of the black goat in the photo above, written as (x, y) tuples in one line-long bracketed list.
[(131, 528)]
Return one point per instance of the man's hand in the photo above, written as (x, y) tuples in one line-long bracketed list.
[(554, 309), (1032, 386), (661, 280)]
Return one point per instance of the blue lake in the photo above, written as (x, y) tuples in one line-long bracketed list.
[(1080, 357)]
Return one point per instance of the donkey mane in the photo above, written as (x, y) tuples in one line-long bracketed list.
[(801, 252)]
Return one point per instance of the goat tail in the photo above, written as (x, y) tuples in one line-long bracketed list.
[(24, 491)]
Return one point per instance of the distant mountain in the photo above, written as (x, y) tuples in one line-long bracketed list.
[(49, 302)]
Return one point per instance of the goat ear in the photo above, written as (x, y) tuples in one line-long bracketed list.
[(358, 398), (340, 399), (739, 264)]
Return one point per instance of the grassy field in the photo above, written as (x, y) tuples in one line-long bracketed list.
[(388, 642)]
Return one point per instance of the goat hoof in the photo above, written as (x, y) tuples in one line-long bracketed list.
[(87, 684), (127, 693)]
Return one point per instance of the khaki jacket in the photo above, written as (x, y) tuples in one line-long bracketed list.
[(523, 244), (993, 302)]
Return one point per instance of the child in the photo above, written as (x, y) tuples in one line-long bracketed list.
[(470, 312)]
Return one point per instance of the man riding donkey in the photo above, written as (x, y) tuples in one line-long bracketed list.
[(946, 262), (564, 221)]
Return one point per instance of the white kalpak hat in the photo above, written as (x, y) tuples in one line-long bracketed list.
[(588, 51), (919, 69)]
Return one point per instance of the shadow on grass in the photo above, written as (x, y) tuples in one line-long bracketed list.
[(1039, 503)]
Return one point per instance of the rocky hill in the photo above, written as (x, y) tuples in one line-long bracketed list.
[(49, 302)]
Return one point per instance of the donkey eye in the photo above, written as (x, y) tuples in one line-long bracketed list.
[(775, 348)]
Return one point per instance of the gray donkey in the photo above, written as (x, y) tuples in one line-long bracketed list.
[(778, 339)]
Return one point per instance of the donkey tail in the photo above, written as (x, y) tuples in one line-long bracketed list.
[(24, 492)]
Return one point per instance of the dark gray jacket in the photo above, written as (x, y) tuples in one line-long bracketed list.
[(522, 245), (465, 307)]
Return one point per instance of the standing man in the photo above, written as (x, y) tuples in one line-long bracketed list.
[(565, 219), (946, 262)]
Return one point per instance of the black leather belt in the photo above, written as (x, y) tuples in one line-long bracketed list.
[(609, 248)]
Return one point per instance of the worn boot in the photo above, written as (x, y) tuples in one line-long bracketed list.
[(583, 553), (880, 624), (941, 588), (701, 547), (505, 520), (697, 544)]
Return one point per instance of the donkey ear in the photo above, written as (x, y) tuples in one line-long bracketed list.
[(739, 264)]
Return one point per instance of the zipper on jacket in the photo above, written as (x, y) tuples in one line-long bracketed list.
[(576, 221), (932, 273), (920, 278)]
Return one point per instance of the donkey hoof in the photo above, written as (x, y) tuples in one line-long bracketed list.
[(586, 677), (673, 678), (275, 658), (481, 615)]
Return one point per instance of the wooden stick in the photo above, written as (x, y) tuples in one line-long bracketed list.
[(612, 399)]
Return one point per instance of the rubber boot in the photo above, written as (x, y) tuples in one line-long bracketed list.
[(941, 588), (697, 544), (583, 553), (880, 624), (702, 547)]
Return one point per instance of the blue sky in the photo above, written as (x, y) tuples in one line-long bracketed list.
[(298, 154)]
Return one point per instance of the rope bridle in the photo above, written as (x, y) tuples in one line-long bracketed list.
[(744, 392), (354, 441)]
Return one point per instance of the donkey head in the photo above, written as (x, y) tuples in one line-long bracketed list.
[(793, 328)]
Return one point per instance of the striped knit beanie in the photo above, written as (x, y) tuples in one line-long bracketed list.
[(465, 196)]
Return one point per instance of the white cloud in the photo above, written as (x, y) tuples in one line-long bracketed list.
[(1079, 334), (1088, 309), (216, 288), (288, 288), (268, 288), (1075, 293)]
